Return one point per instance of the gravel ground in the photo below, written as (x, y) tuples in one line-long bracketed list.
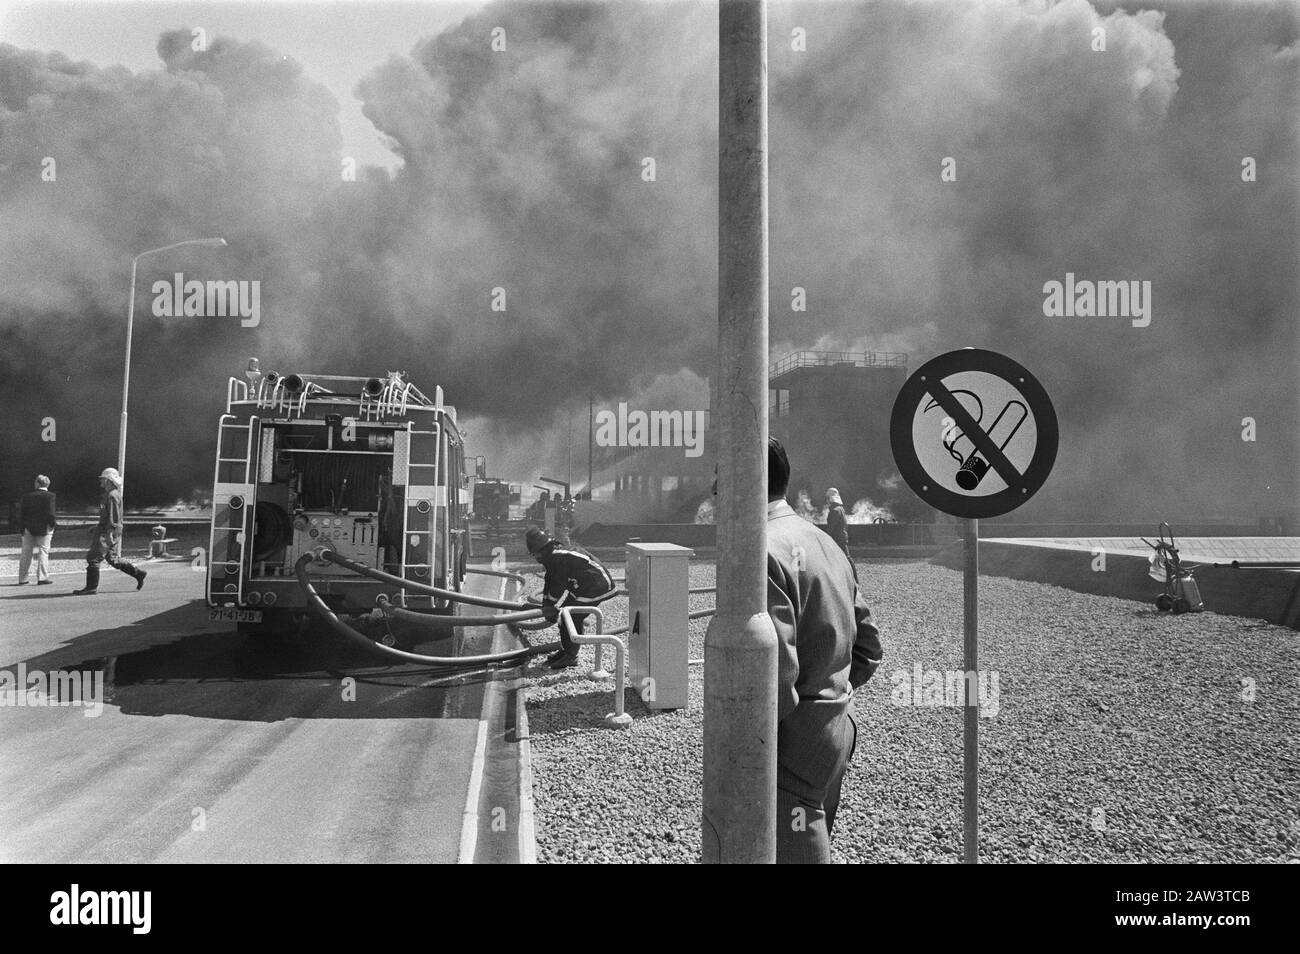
[(1120, 735)]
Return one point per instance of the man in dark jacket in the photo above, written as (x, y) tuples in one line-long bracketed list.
[(827, 646), (106, 547), (573, 578), (38, 522)]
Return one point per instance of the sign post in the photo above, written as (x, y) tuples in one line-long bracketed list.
[(974, 435), (971, 711)]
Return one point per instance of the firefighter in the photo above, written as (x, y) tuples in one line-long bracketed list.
[(106, 547), (390, 525), (837, 522), (573, 578)]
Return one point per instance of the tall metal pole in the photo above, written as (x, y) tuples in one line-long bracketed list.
[(126, 378), (740, 666), (970, 735), (591, 437), (130, 324)]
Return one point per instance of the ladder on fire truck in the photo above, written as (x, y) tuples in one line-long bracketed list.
[(421, 478), (229, 539)]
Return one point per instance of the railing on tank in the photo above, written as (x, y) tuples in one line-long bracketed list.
[(824, 359)]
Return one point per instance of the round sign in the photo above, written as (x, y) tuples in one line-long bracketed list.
[(973, 433)]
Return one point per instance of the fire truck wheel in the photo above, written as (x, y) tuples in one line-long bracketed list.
[(1181, 605), (1164, 602)]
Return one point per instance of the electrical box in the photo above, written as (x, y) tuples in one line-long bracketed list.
[(658, 589)]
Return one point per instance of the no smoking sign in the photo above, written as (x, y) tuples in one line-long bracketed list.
[(973, 433)]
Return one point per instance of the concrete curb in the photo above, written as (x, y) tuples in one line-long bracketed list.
[(1254, 592), (527, 816)]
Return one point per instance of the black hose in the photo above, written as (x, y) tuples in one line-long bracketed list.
[(317, 606), (383, 577), (426, 619)]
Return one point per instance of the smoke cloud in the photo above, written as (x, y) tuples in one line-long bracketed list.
[(524, 175)]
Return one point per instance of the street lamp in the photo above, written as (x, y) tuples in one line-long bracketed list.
[(130, 322)]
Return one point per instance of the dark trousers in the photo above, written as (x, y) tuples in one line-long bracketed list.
[(808, 784), (107, 548), (579, 624)]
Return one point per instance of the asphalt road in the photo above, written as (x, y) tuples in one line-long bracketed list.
[(212, 747)]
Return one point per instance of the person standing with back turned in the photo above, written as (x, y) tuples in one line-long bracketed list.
[(37, 511), (827, 646), (837, 524)]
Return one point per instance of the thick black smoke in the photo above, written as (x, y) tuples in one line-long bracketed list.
[(523, 171), (1122, 164)]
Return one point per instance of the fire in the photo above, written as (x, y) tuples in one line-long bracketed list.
[(863, 510)]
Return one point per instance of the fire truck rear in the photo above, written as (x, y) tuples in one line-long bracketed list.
[(369, 467)]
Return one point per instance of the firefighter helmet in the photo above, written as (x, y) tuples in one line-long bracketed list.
[(537, 540)]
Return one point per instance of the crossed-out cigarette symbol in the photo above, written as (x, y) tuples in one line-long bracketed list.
[(973, 467)]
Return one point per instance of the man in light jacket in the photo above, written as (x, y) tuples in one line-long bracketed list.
[(827, 646)]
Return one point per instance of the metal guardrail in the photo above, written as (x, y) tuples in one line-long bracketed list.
[(618, 719), (825, 359)]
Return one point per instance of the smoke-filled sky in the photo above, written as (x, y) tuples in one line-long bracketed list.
[(522, 169)]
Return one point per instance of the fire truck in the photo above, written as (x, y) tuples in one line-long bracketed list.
[(493, 497), (369, 467)]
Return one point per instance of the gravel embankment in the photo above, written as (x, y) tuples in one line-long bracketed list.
[(1121, 735)]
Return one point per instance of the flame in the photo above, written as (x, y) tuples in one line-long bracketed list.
[(705, 513), (803, 507), (864, 511)]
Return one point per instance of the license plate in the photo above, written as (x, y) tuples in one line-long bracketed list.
[(230, 614)]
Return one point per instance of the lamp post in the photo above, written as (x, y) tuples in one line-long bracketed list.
[(740, 655), (130, 323)]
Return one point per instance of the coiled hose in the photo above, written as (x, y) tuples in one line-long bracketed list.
[(317, 606)]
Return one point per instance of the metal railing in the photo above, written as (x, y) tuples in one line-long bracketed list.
[(597, 640), (826, 359)]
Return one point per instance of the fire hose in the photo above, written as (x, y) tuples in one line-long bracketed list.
[(339, 560), (318, 606), (523, 617)]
